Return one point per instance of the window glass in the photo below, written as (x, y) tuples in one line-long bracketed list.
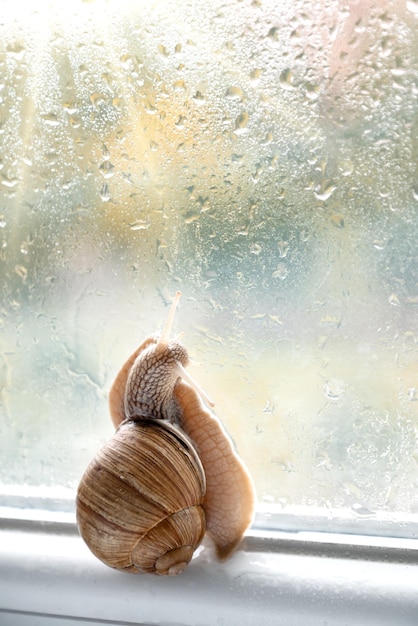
[(262, 157)]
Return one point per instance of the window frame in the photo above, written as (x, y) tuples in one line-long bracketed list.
[(48, 576)]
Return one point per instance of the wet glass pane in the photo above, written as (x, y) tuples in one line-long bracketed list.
[(263, 158)]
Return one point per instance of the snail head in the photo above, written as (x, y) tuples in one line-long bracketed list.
[(154, 374)]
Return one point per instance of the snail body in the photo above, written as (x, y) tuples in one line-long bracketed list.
[(168, 475)]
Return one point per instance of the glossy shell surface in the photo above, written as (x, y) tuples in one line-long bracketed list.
[(139, 501)]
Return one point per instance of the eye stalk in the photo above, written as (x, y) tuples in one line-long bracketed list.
[(193, 384), (166, 332)]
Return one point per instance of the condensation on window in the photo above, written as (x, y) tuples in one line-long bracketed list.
[(262, 157)]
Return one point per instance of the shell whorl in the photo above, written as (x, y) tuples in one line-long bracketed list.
[(139, 501)]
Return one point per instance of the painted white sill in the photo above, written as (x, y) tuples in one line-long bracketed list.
[(48, 576)]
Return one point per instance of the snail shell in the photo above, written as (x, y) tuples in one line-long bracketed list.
[(139, 501), (168, 475)]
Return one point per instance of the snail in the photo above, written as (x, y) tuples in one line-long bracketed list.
[(169, 475)]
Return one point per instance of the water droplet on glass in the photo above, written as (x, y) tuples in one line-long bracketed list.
[(180, 121), (286, 465), (127, 62), (192, 216), (257, 316), (9, 182), (69, 108), (235, 93), (199, 98), (97, 99), (283, 248), (268, 138), (333, 389), (244, 230), (255, 75), (24, 247), (21, 271), (140, 225), (255, 248), (51, 119), (105, 153), (325, 190), (16, 50), (346, 167), (330, 320), (281, 271), (412, 5), (337, 220), (75, 122), (269, 408), (394, 300), (398, 71), (286, 79), (383, 192), (256, 175), (273, 33), (106, 169), (105, 193), (179, 85), (241, 123), (361, 511), (312, 91), (409, 337), (322, 342), (163, 50)]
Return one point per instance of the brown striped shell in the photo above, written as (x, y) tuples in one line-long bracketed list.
[(139, 501)]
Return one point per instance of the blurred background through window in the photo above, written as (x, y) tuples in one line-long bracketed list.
[(263, 158)]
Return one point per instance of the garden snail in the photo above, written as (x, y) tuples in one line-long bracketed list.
[(168, 475)]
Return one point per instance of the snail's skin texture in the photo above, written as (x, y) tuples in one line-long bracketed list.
[(168, 475), (117, 391), (229, 499)]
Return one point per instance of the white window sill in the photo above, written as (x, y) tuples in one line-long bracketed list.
[(48, 576)]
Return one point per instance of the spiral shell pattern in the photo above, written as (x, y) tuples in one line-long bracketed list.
[(139, 501)]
